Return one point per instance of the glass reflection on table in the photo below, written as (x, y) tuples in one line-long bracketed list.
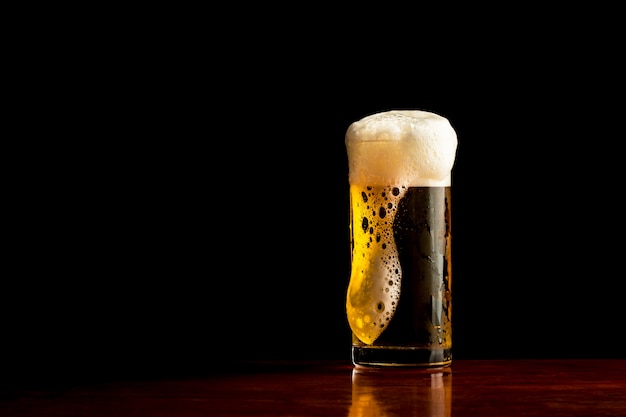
[(399, 392)]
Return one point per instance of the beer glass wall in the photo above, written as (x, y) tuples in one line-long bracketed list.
[(399, 300)]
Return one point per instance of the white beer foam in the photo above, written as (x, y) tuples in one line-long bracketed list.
[(414, 148)]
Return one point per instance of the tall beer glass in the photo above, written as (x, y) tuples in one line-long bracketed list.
[(399, 300)]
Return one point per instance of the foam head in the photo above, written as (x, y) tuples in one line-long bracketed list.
[(407, 147)]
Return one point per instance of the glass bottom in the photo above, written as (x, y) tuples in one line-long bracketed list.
[(395, 356)]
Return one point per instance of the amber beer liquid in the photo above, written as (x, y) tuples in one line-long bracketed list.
[(399, 299)]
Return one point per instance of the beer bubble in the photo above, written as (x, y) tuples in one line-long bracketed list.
[(365, 224)]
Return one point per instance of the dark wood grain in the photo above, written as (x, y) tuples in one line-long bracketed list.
[(554, 388)]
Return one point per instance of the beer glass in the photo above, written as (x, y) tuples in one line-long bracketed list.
[(399, 300)]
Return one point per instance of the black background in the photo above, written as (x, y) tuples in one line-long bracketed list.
[(183, 195)]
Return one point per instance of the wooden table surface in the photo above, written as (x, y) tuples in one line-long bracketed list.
[(504, 388)]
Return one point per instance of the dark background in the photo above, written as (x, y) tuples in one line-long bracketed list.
[(182, 202)]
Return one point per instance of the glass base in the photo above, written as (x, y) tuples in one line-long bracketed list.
[(393, 356)]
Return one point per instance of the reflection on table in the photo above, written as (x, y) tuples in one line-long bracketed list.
[(394, 392)]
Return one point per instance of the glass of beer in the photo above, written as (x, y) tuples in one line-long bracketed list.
[(399, 300)]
